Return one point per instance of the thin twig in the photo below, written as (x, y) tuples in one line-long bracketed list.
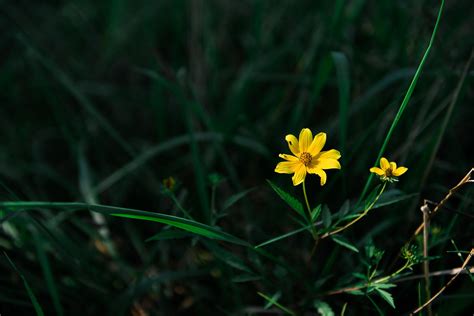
[(426, 265), (447, 284), (466, 179), (408, 278), (436, 273)]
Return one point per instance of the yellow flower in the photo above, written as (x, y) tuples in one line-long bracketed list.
[(388, 171), (307, 157)]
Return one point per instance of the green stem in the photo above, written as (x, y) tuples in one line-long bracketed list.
[(179, 206), (405, 100), (407, 264), (355, 220), (314, 232)]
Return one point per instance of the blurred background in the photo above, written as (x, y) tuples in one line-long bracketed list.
[(102, 100)]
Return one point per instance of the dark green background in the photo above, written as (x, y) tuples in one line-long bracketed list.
[(88, 87)]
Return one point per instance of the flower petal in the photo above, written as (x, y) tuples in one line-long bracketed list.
[(293, 144), (320, 173), (384, 164), (393, 165), (317, 144), (288, 157), (327, 163), (330, 154), (399, 171), (306, 137), (299, 175), (287, 166), (377, 171)]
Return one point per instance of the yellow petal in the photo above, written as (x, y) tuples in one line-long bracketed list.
[(289, 157), (330, 154), (287, 166), (377, 170), (317, 144), (306, 137), (299, 175), (393, 165), (327, 164), (384, 164), (320, 173), (399, 171), (293, 144)]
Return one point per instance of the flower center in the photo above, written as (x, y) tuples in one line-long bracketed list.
[(305, 158), (388, 172)]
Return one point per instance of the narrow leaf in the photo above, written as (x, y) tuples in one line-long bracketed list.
[(34, 301), (327, 220), (344, 242), (315, 213), (323, 308), (288, 198)]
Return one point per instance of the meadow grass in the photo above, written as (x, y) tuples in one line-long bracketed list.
[(103, 102)]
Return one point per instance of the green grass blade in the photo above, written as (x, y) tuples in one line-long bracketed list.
[(274, 302), (405, 101), (182, 223), (48, 274), (34, 301)]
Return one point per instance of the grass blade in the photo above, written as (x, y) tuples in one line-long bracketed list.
[(34, 301), (405, 101), (178, 222)]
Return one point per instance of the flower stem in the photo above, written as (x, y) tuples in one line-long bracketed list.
[(355, 220), (384, 279), (314, 232)]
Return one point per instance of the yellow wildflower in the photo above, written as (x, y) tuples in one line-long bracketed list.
[(307, 157), (388, 171)]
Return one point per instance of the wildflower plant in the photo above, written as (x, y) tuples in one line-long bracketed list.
[(214, 242)]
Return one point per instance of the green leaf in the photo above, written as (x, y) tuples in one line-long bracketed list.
[(182, 223), (273, 301), (315, 213), (345, 208), (384, 285), (327, 220), (48, 273), (344, 242), (386, 296), (359, 276), (356, 292), (178, 222), (288, 198), (323, 308)]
